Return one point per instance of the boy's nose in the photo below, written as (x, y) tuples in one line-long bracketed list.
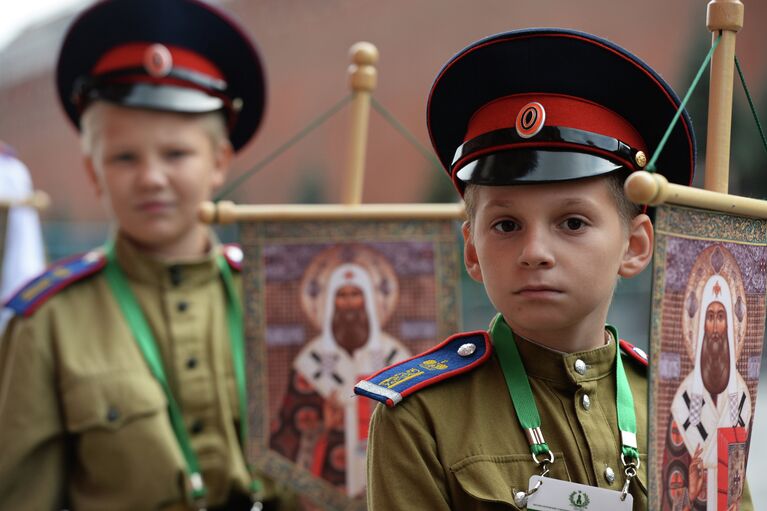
[(151, 175), (535, 251)]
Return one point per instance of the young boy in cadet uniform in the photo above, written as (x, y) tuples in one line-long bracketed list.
[(537, 130), (121, 374)]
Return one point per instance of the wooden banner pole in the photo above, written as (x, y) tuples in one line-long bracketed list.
[(38, 200), (224, 212), (363, 78), (653, 189), (725, 17)]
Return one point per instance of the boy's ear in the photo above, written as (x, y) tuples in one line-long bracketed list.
[(93, 177), (470, 258), (222, 159), (639, 247)]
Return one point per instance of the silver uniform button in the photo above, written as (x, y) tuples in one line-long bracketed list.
[(580, 367), (586, 402), (609, 475), (520, 499), (467, 349)]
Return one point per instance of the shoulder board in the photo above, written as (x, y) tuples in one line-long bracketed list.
[(637, 354), (456, 355), (59, 276), (233, 255)]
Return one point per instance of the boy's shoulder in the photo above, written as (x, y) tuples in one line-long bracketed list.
[(456, 355), (57, 277)]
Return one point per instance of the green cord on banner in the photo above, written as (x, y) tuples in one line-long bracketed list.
[(318, 121), (751, 103), (429, 155), (651, 165)]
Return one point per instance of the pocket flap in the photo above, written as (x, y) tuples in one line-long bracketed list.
[(111, 400), (495, 478)]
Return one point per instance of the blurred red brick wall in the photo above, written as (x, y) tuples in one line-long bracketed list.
[(304, 45)]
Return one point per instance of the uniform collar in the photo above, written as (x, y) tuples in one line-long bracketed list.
[(556, 366), (166, 274)]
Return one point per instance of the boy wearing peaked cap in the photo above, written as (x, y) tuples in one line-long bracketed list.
[(538, 130), (122, 371)]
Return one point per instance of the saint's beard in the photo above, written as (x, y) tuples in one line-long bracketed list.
[(351, 328), (715, 363)]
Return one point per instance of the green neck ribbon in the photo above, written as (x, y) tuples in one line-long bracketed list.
[(146, 342), (524, 402)]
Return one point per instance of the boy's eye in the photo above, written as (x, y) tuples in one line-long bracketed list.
[(574, 224), (174, 154), (506, 226), (122, 158)]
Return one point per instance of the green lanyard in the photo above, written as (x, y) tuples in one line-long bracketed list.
[(524, 403), (146, 342)]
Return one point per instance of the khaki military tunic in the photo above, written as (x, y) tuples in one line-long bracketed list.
[(459, 445), (84, 423)]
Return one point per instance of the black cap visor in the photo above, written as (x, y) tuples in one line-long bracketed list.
[(157, 97), (529, 166)]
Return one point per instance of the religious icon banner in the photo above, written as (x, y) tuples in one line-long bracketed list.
[(327, 303), (706, 336)]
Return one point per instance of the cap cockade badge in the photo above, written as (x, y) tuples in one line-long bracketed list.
[(158, 61), (530, 119)]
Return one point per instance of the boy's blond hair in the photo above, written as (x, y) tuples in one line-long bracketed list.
[(213, 122)]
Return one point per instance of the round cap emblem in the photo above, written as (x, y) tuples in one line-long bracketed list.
[(158, 61), (530, 119)]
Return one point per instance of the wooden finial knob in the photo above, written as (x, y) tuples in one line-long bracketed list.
[(40, 200), (362, 72), (724, 15), (207, 212), (364, 53), (222, 212), (643, 187)]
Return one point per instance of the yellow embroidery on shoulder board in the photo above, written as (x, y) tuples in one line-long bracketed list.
[(45, 283), (61, 273), (36, 289), (393, 381), (433, 365)]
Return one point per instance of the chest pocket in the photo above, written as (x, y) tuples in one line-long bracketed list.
[(493, 478), (111, 401)]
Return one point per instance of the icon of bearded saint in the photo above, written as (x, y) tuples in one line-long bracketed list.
[(712, 396), (323, 428)]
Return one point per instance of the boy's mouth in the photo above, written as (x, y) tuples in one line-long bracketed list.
[(537, 291), (154, 206)]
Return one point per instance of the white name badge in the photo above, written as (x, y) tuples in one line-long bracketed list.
[(556, 495)]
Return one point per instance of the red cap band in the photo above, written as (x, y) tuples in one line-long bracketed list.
[(133, 55), (560, 110)]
